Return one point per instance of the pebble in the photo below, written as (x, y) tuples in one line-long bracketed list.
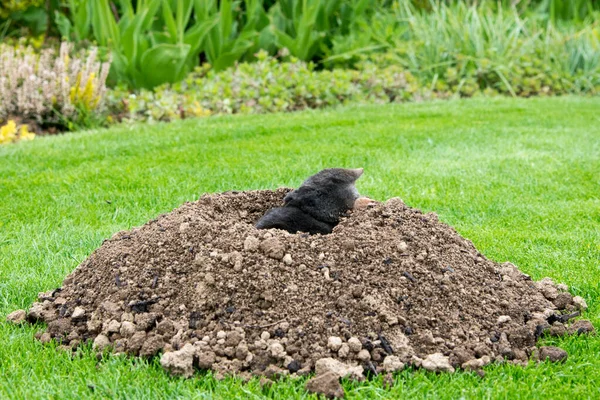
[(364, 355), (580, 303), (78, 312), (344, 351), (552, 354), (583, 326), (354, 344), (276, 350), (101, 341), (334, 343), (437, 362), (16, 317), (392, 364)]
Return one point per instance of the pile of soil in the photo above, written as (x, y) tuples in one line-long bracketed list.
[(390, 286)]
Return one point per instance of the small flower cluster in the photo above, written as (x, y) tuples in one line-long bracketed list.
[(50, 88), (10, 132)]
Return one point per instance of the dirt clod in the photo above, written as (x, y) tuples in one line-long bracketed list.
[(17, 317), (179, 362), (340, 369), (437, 362), (392, 364), (583, 326), (552, 354), (389, 286), (327, 384)]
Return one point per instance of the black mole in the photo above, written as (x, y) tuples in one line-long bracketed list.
[(316, 206)]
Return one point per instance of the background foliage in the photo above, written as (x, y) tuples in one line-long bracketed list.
[(448, 48)]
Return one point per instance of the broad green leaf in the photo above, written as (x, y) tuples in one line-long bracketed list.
[(164, 63)]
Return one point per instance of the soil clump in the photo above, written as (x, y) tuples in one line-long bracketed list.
[(389, 287)]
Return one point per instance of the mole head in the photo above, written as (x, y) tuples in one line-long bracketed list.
[(331, 191), (334, 177)]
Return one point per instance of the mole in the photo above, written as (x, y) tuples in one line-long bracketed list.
[(316, 206)]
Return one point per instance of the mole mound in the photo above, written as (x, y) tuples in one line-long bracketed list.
[(389, 286)]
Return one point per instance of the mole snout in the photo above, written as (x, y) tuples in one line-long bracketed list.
[(316, 206)]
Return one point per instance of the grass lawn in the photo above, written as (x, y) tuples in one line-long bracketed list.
[(520, 178)]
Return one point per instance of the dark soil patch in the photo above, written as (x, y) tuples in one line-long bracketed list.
[(207, 289)]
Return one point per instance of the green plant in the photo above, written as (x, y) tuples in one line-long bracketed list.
[(468, 50), (305, 27), (51, 88), (75, 23), (227, 41), (144, 54), (264, 86)]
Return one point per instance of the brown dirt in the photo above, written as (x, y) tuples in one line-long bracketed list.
[(204, 286)]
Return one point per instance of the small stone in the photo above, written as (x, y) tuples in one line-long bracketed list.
[(221, 335), (276, 350), (327, 384), (209, 279), (206, 359), (101, 342), (251, 243), (273, 248), (437, 362), (364, 355), (233, 338), (287, 259), (17, 317), (557, 329), (78, 313), (476, 363), (152, 345), (552, 354), (35, 312), (127, 329), (580, 303), (344, 351), (265, 335), (265, 382), (583, 326), (392, 364), (179, 362), (503, 319), (273, 371), (548, 288), (46, 338), (136, 341), (354, 344), (241, 351), (113, 326), (563, 300), (165, 327), (334, 343), (340, 369), (402, 246)]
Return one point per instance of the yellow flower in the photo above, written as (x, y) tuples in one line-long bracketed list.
[(24, 133), (8, 131)]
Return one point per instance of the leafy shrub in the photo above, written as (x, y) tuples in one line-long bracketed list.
[(51, 88), (263, 87)]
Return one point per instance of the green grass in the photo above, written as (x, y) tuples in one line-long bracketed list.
[(520, 178)]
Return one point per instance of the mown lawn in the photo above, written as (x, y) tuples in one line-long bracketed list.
[(520, 178)]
